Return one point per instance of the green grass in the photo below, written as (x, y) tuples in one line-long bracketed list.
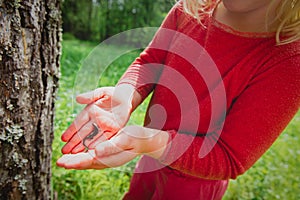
[(275, 176)]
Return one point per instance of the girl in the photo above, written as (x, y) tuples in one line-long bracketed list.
[(194, 142)]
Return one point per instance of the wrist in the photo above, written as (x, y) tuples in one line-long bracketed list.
[(144, 141), (156, 143), (129, 96)]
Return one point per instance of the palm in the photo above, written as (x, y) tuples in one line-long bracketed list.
[(104, 108)]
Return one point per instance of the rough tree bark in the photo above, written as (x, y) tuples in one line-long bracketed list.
[(30, 34)]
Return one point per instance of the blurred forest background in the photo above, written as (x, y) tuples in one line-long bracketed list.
[(96, 20), (88, 22)]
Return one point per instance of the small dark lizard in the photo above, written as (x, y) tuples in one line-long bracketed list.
[(90, 136)]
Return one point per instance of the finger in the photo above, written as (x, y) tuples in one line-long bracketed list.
[(91, 111), (98, 140), (110, 147), (81, 147), (93, 96), (78, 149), (81, 119), (74, 136), (76, 161), (107, 122), (77, 138), (62, 160), (117, 159), (107, 148)]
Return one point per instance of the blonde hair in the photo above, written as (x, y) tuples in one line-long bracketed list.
[(286, 23)]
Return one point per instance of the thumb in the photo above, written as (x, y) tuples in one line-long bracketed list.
[(92, 96), (107, 148)]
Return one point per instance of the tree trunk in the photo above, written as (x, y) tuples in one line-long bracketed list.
[(30, 34)]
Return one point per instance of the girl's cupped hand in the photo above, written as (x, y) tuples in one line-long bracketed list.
[(128, 143)]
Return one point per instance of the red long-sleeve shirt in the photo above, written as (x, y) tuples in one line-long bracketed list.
[(259, 80)]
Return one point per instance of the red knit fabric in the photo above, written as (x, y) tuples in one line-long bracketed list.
[(262, 87)]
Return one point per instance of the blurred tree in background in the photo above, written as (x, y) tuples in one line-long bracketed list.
[(99, 19)]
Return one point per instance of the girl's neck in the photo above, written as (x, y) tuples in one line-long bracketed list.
[(248, 21)]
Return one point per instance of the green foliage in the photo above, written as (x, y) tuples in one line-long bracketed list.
[(274, 176), (99, 19), (68, 36)]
